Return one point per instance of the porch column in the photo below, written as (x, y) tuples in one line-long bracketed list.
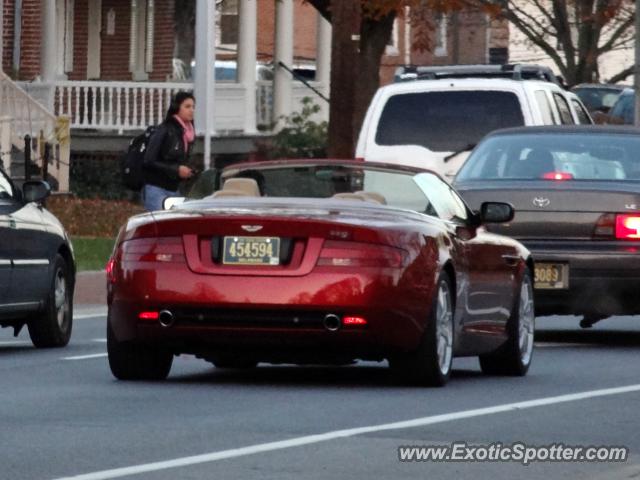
[(49, 50), (205, 78), (323, 60), (282, 80), (247, 52)]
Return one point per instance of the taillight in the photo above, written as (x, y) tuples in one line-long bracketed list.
[(166, 250), (335, 253), (152, 316), (110, 269), (557, 176), (621, 226), (351, 321), (628, 227)]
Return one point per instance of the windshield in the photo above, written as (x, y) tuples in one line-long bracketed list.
[(397, 189), (446, 121), (596, 98), (555, 156)]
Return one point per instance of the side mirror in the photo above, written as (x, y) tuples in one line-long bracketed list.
[(496, 212), (35, 191), (170, 202)]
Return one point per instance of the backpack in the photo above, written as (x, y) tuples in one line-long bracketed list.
[(131, 163)]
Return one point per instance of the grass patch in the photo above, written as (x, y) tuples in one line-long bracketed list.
[(92, 253)]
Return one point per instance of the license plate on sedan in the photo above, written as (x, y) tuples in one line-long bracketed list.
[(251, 251), (551, 276)]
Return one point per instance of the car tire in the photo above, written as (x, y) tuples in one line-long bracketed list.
[(514, 357), (131, 361), (52, 328), (430, 364)]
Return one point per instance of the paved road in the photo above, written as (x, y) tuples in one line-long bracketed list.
[(62, 414)]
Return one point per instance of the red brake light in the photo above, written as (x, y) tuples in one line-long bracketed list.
[(336, 253), (628, 227), (110, 269), (557, 176), (149, 315), (354, 321), (166, 250)]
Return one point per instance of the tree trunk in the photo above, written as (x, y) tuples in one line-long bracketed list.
[(345, 20), (374, 36)]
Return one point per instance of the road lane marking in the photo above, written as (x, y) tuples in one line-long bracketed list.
[(85, 357), (99, 340), (14, 343), (352, 432), (89, 315)]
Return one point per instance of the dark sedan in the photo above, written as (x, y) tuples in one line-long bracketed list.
[(37, 270), (576, 191), (318, 261)]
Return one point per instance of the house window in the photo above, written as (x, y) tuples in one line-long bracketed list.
[(392, 48), (227, 25), (142, 38), (441, 35)]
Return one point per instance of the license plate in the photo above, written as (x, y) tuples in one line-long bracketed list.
[(251, 251), (551, 276)]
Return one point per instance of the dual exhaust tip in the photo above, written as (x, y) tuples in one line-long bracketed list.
[(331, 322)]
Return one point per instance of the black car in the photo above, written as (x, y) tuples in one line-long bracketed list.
[(37, 268), (576, 193)]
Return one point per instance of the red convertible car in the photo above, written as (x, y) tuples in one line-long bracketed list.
[(320, 261)]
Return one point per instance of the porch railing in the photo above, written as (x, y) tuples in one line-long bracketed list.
[(29, 117), (123, 106)]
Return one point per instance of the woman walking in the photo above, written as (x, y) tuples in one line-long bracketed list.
[(166, 159)]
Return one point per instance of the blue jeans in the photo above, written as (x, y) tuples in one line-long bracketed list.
[(153, 197)]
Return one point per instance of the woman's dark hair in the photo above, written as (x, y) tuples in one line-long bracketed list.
[(176, 101)]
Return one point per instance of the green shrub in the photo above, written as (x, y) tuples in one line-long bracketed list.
[(301, 137)]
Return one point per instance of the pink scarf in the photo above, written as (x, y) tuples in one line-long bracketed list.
[(189, 134)]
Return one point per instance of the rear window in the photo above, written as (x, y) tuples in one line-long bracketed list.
[(446, 121), (577, 156)]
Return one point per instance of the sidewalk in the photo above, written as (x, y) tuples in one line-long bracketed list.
[(91, 289)]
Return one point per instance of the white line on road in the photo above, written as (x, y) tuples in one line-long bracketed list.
[(90, 315), (85, 357), (337, 434), (14, 343), (99, 340)]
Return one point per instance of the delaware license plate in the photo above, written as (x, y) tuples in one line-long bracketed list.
[(251, 251), (551, 276)]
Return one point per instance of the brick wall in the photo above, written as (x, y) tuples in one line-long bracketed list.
[(163, 41), (114, 53), (31, 40), (304, 35), (80, 40)]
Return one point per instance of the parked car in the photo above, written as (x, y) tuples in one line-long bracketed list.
[(622, 112), (434, 120), (598, 98), (320, 261), (576, 191), (37, 268)]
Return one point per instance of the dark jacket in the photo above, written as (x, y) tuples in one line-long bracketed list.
[(165, 153)]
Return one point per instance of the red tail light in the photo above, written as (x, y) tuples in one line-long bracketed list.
[(621, 226), (557, 176), (628, 227), (167, 250), (354, 321), (110, 269), (335, 253), (149, 316)]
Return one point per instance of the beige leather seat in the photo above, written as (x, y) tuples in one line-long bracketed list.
[(238, 187), (350, 196), (373, 196)]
